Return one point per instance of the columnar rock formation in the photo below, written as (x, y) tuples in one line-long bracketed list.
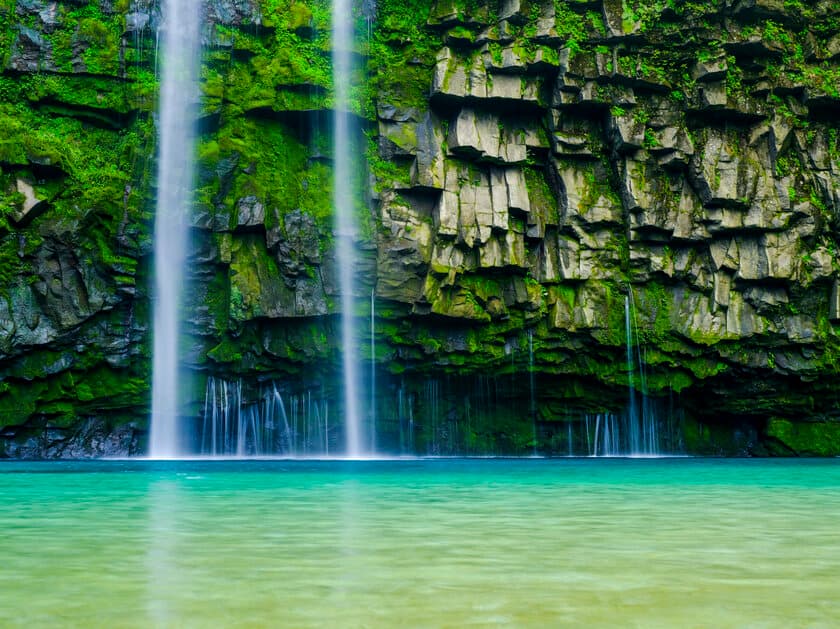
[(531, 162)]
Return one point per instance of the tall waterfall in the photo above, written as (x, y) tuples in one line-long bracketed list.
[(345, 223), (176, 124)]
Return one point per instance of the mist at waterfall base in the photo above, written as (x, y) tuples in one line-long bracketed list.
[(421, 543), (176, 126)]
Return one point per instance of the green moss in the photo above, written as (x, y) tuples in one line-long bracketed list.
[(64, 396), (221, 301), (652, 302), (570, 25), (400, 40), (277, 166), (254, 279), (541, 195), (19, 400), (390, 174), (11, 264), (806, 438), (228, 351), (482, 287), (714, 439)]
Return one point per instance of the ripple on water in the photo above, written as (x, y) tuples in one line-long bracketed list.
[(420, 543)]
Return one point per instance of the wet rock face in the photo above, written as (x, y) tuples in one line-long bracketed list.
[(677, 155), (91, 438), (233, 12), (534, 166), (73, 324)]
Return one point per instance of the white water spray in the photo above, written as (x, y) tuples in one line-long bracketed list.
[(178, 94), (345, 224)]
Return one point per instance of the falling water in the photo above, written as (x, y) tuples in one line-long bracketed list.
[(235, 425), (632, 413), (606, 435), (345, 224), (411, 423), (649, 430), (569, 438), (373, 370), (643, 437), (532, 409), (178, 94), (432, 406)]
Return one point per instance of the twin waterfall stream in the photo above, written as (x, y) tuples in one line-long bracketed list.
[(179, 95), (303, 425)]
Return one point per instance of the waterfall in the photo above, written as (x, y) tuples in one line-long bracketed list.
[(345, 224), (610, 436), (635, 432), (642, 420), (411, 423), (235, 425), (373, 370), (632, 413), (532, 409), (432, 406), (176, 125), (569, 438)]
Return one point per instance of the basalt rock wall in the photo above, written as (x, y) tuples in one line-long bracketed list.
[(531, 177)]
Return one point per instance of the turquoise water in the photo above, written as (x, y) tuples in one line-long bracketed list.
[(433, 543)]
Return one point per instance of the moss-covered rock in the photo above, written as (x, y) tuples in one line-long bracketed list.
[(531, 178), (804, 438)]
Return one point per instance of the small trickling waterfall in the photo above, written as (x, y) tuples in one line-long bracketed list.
[(373, 370), (345, 223), (628, 343), (641, 421), (570, 439), (271, 425), (614, 434), (635, 432), (607, 435), (176, 126), (405, 420), (532, 407)]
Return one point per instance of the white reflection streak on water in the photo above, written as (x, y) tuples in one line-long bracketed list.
[(163, 499), (572, 543), (351, 568)]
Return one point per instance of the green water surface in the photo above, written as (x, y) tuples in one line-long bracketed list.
[(430, 543)]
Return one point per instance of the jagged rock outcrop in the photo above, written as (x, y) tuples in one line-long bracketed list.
[(661, 154), (535, 168)]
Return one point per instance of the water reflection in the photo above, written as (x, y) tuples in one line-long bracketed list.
[(351, 551), (164, 529), (421, 543)]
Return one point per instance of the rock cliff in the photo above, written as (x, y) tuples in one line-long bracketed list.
[(537, 174)]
